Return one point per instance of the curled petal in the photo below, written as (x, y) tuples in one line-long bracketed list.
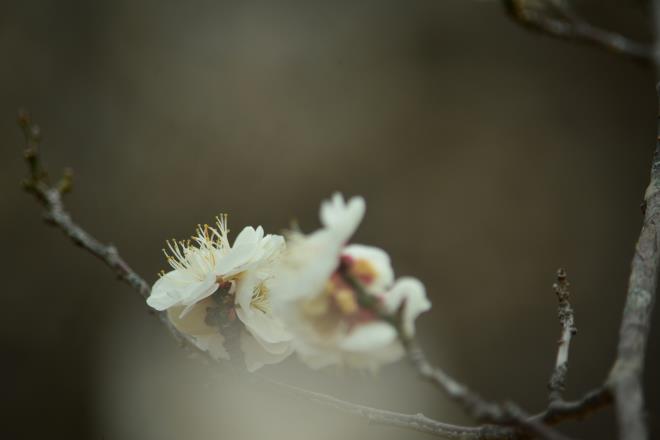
[(411, 293)]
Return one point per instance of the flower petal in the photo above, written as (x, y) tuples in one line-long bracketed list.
[(380, 261), (213, 344), (412, 291), (265, 326), (256, 356), (193, 322), (341, 217), (368, 337)]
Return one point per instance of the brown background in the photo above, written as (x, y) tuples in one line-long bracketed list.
[(488, 155)]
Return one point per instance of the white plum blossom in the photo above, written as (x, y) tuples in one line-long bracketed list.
[(265, 340), (326, 314), (239, 274)]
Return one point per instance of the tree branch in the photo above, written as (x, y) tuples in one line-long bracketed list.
[(481, 410), (625, 378), (558, 19)]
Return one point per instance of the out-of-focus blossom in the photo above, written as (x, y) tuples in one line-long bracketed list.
[(333, 320)]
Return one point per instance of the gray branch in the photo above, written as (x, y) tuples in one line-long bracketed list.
[(625, 378), (558, 19), (417, 422), (507, 414), (481, 410)]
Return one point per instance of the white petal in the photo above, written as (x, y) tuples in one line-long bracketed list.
[(264, 326), (378, 258), (164, 293), (316, 358), (245, 289), (205, 289), (271, 245), (374, 359), (369, 337), (193, 322), (305, 267), (213, 344), (177, 287), (247, 236), (412, 291), (235, 260), (254, 354), (340, 217)]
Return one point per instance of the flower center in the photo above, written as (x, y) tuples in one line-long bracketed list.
[(197, 256), (260, 299), (338, 304)]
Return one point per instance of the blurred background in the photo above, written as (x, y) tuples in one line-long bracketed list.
[(489, 156)]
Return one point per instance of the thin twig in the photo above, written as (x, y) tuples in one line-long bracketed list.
[(481, 410), (592, 401), (557, 381), (535, 427), (417, 422), (558, 19)]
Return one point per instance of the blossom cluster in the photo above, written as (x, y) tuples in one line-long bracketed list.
[(330, 302)]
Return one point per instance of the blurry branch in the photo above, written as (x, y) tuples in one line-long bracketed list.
[(558, 18), (417, 422), (557, 381)]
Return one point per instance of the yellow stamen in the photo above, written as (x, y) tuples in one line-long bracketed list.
[(346, 301)]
